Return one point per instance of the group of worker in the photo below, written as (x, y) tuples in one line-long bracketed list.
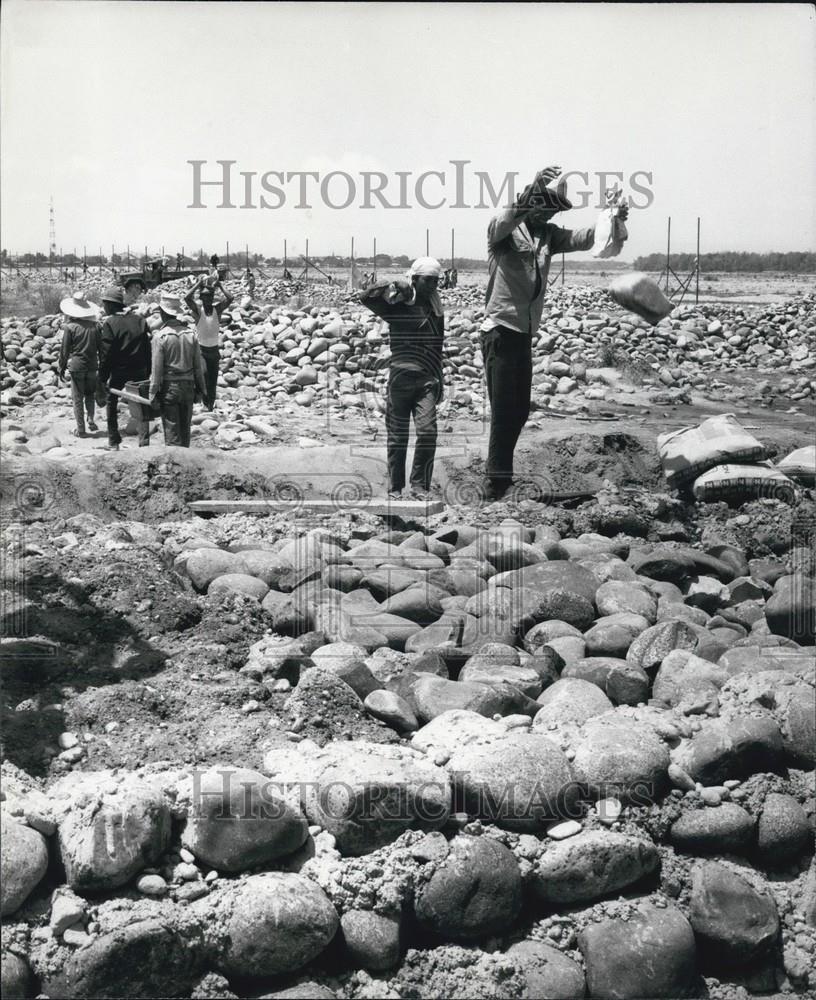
[(521, 241), (171, 367), (177, 366)]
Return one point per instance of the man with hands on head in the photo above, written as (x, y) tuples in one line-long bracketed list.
[(413, 309), (521, 240)]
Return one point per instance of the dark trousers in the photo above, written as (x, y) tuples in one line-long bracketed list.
[(141, 416), (83, 387), (176, 400), (212, 358), (411, 393), (508, 366)]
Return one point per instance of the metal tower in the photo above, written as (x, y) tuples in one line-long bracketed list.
[(52, 232)]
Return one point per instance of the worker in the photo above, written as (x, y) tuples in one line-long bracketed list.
[(414, 313), (208, 331), (249, 282), (124, 363), (521, 241), (134, 289), (177, 372), (79, 355)]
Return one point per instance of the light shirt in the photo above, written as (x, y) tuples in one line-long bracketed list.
[(207, 329)]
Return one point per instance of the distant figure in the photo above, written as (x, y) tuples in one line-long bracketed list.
[(454, 278), (177, 373), (84, 269), (208, 332), (287, 274), (124, 363), (79, 354), (179, 262), (249, 282)]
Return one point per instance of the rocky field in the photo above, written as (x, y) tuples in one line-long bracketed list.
[(526, 749)]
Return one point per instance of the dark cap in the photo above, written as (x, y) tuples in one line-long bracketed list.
[(114, 294), (135, 281)]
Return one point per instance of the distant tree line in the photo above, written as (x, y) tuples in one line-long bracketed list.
[(797, 262)]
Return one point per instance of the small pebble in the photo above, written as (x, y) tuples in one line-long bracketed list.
[(563, 830)]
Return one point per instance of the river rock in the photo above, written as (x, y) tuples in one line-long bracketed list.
[(591, 865), (723, 829), (372, 939), (392, 710), (791, 610), (650, 955), (455, 729), (617, 756), (239, 583), (783, 831), (143, 958), (623, 683), (549, 972), (733, 923), (364, 794), (475, 891), (273, 923), (15, 977), (654, 645), (615, 597), (108, 828), (205, 565), (569, 702), (540, 785), (238, 821), (721, 750), (24, 855)]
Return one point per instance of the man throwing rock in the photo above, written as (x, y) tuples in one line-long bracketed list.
[(414, 313), (521, 242)]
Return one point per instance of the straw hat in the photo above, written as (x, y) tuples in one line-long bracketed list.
[(78, 307), (172, 305)]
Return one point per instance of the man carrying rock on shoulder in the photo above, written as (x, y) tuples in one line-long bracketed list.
[(521, 241), (415, 317)]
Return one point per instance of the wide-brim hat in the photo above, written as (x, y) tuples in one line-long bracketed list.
[(78, 307), (554, 196), (171, 304)]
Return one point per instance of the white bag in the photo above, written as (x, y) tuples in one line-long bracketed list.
[(800, 465), (610, 230), (740, 483), (691, 451)]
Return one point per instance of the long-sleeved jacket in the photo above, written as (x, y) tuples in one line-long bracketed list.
[(176, 358), (124, 348), (518, 265), (416, 331), (79, 351)]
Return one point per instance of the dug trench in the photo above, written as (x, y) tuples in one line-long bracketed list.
[(127, 667)]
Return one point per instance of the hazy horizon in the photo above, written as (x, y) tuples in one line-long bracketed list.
[(104, 105)]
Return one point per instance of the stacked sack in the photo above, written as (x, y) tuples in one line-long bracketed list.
[(720, 460)]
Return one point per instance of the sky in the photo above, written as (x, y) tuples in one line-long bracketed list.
[(712, 108)]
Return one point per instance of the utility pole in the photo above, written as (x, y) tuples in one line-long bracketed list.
[(374, 271), (668, 254), (697, 284), (284, 257), (452, 249), (351, 278), (306, 273), (52, 235), (427, 243)]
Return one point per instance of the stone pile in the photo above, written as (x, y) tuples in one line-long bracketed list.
[(337, 354), (595, 778)]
